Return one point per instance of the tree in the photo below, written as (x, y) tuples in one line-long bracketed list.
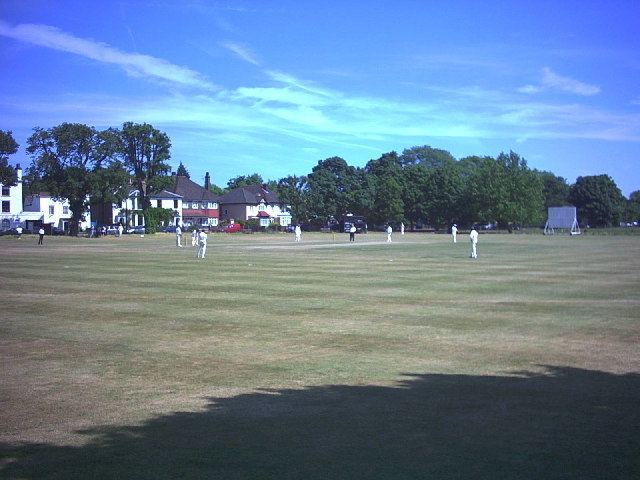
[(145, 152), (389, 189), (555, 190), (507, 191), (8, 146), (445, 187), (632, 207), (333, 189), (427, 156), (292, 190), (244, 180), (598, 200), (416, 193), (65, 161), (182, 171)]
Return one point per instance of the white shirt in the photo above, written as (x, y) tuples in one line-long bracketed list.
[(352, 229), (41, 231), (178, 231), (389, 229), (202, 238), (473, 236), (454, 230)]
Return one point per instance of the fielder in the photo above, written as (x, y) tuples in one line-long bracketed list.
[(178, 236), (202, 244), (473, 237), (389, 232), (194, 237), (298, 232), (454, 232)]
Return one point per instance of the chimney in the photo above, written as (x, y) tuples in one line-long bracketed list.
[(207, 181)]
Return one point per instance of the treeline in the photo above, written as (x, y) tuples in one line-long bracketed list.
[(423, 185)]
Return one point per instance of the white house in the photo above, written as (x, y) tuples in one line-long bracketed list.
[(11, 198), (129, 212)]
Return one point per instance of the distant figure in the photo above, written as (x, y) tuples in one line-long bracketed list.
[(41, 234), (19, 232), (454, 232), (298, 232), (389, 232), (178, 236), (473, 237), (120, 229), (401, 228), (194, 237), (202, 244), (352, 233)]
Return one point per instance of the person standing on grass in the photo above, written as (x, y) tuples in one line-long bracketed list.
[(298, 233), (202, 244), (178, 236), (120, 229), (194, 237), (402, 228), (473, 237), (352, 233), (389, 232), (454, 232), (19, 231), (41, 235)]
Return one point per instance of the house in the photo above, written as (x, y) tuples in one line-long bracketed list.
[(200, 206), (11, 200), (129, 211), (254, 201), (38, 210)]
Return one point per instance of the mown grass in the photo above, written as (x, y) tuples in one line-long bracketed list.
[(320, 359)]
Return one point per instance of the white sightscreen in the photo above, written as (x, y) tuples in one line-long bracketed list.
[(561, 217)]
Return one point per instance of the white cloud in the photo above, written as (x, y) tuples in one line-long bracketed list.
[(241, 51), (133, 63), (529, 89), (552, 80)]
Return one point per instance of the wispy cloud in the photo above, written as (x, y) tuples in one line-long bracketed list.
[(242, 51), (133, 63), (555, 82)]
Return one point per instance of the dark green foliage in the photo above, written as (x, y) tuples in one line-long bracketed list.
[(598, 199), (555, 190), (632, 207), (182, 171), (8, 146), (244, 180), (157, 217), (76, 162)]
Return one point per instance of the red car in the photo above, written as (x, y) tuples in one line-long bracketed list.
[(232, 228)]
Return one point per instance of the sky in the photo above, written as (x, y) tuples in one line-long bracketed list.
[(274, 86)]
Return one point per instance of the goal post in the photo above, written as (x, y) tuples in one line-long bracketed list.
[(562, 218)]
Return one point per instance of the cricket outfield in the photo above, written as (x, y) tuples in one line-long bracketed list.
[(129, 358)]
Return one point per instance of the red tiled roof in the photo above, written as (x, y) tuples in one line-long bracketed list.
[(201, 212), (263, 214)]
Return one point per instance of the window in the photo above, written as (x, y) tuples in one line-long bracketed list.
[(194, 205), (52, 210), (175, 204), (6, 191), (65, 210), (6, 206)]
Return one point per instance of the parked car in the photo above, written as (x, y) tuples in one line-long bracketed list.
[(232, 228), (168, 229), (138, 229)]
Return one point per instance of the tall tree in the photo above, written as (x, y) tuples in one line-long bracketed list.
[(244, 180), (445, 186), (389, 184), (292, 190), (507, 191), (182, 171), (555, 190), (65, 161), (333, 189), (8, 146), (428, 156), (632, 207), (598, 200), (145, 153)]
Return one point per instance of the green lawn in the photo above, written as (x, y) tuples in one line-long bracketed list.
[(129, 358)]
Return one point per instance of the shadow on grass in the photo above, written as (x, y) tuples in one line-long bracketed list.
[(567, 423)]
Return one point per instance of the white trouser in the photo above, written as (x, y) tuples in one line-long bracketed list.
[(454, 237), (178, 240), (388, 238), (474, 253), (202, 249)]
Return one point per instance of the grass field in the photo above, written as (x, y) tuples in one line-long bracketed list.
[(128, 358)]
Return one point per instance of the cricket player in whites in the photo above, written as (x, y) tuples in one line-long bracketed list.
[(473, 237), (202, 244), (178, 236), (298, 232), (454, 232)]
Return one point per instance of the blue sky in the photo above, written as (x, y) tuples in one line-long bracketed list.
[(274, 86)]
